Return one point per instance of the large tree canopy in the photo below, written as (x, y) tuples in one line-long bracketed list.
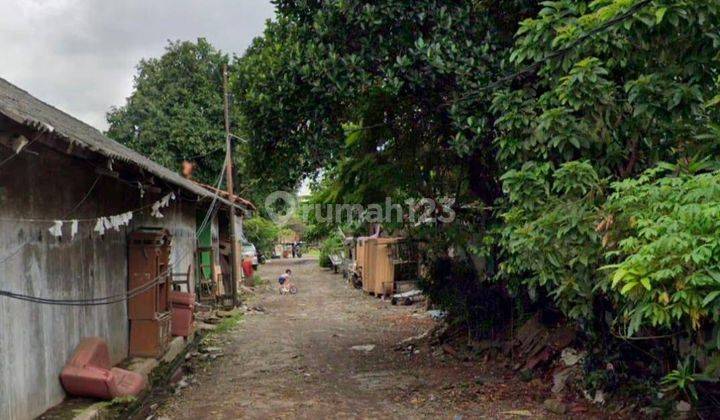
[(176, 109), (368, 87)]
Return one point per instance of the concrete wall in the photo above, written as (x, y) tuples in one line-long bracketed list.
[(37, 340)]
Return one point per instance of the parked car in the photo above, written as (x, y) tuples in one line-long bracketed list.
[(262, 259), (249, 251)]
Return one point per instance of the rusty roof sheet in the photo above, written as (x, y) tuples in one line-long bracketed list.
[(23, 108)]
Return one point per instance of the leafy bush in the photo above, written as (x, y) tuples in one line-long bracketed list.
[(549, 233), (601, 107), (262, 233), (330, 246), (664, 232)]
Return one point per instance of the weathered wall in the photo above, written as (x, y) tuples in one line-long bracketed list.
[(179, 219), (36, 340)]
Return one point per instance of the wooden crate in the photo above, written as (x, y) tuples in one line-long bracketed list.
[(365, 262), (150, 337), (374, 261), (384, 274)]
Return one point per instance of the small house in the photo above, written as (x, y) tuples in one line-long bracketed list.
[(70, 199)]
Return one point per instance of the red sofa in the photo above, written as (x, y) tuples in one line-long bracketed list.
[(89, 374)]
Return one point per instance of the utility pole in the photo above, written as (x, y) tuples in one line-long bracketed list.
[(234, 248)]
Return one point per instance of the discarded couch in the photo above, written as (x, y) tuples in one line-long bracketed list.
[(183, 319), (89, 374)]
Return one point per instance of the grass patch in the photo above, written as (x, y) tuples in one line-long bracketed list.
[(256, 280), (228, 324)]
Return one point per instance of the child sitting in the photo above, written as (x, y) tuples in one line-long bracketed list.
[(283, 279)]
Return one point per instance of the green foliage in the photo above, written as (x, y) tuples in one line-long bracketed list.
[(330, 246), (603, 104), (665, 234), (227, 324), (386, 99), (176, 109), (683, 379), (367, 87), (549, 233), (256, 280), (262, 233)]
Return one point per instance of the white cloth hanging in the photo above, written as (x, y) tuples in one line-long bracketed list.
[(73, 229), (100, 226), (56, 229), (161, 204), (156, 211)]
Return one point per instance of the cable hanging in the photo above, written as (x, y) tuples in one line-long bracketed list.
[(113, 299), (631, 12)]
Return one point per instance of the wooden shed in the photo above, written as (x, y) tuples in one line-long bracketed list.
[(376, 264)]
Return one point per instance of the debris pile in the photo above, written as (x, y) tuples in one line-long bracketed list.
[(536, 344)]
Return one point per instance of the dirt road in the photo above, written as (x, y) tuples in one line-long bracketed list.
[(296, 361)]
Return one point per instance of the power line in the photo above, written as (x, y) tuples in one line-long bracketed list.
[(85, 197), (109, 300), (213, 151), (13, 156), (561, 52)]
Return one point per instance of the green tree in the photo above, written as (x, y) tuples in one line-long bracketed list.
[(176, 109), (262, 233), (613, 87), (369, 87)]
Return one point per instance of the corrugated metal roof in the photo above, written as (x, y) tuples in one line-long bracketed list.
[(23, 108)]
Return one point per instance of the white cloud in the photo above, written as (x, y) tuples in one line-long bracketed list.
[(80, 55)]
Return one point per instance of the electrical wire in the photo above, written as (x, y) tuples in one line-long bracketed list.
[(109, 300), (561, 52), (13, 156), (205, 154), (85, 197), (114, 298)]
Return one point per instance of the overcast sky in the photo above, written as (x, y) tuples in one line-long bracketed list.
[(80, 55)]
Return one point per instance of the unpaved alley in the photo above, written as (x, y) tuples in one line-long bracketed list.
[(296, 360)]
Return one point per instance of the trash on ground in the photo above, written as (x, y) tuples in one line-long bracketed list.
[(519, 413), (408, 298), (365, 348), (437, 315), (571, 357)]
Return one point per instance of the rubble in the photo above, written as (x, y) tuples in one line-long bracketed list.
[(571, 357), (408, 298), (448, 349), (227, 314), (517, 413), (555, 406), (202, 326), (437, 315), (536, 343), (561, 378), (683, 407)]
